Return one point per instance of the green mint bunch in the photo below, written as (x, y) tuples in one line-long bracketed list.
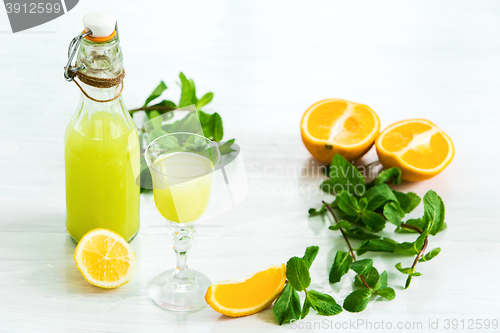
[(156, 112), (288, 305), (211, 124), (361, 211)]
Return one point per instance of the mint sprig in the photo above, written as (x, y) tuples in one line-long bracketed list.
[(211, 124), (288, 306), (374, 283), (360, 211)]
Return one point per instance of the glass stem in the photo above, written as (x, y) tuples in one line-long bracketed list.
[(182, 235)]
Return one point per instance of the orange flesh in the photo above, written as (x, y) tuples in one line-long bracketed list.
[(356, 127), (428, 156), (250, 293), (399, 137), (321, 120)]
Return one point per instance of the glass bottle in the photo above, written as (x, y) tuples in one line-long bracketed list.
[(101, 150)]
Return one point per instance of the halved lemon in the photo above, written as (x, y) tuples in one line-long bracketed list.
[(237, 298), (105, 259), (337, 126), (418, 147)]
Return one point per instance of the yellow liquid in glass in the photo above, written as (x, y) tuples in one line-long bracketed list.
[(181, 195), (101, 192)]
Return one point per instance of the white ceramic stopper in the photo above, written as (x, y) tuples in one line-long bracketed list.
[(102, 24)]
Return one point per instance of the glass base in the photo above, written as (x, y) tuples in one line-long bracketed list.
[(174, 296)]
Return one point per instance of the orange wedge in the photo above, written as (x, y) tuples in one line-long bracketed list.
[(336, 126), (418, 147), (105, 259), (237, 298)]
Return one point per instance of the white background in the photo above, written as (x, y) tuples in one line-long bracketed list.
[(266, 62)]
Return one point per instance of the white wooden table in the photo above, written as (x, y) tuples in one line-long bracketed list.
[(266, 62)]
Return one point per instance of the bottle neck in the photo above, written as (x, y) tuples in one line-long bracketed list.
[(101, 94), (101, 60)]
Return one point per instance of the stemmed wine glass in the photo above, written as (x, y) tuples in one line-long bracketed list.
[(181, 166)]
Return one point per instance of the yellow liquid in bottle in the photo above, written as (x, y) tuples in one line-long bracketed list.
[(101, 191), (182, 195)]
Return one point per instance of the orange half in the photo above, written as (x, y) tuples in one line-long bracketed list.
[(337, 126), (237, 298), (418, 147)]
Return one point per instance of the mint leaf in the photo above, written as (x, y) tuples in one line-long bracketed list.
[(407, 270), (431, 254), (348, 204), (387, 293), (190, 123), (357, 300), (343, 216), (226, 147), (378, 195), (340, 266), (160, 88), (334, 204), (297, 273), (361, 266), (433, 218), (188, 91), (324, 304), (359, 233), (207, 98), (310, 255), (363, 204), (393, 213), (212, 125), (305, 308), (414, 222), (146, 180), (381, 282), (408, 281), (371, 278), (154, 123), (204, 118), (373, 221), (164, 103), (316, 212), (413, 247), (407, 201), (155, 134), (287, 306), (340, 224), (343, 177), (391, 175), (376, 245), (216, 125)]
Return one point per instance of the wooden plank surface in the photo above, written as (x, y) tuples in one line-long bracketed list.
[(266, 62)]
